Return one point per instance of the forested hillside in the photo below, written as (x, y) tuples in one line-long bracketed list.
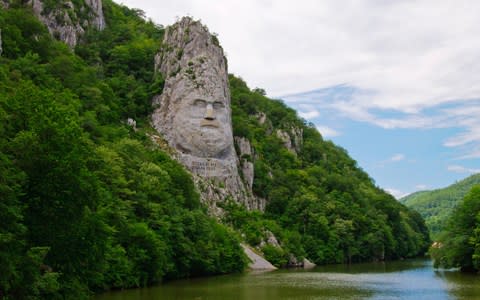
[(89, 203), (437, 205), (459, 242), (319, 202)]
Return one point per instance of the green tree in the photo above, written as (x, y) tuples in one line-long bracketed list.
[(459, 246)]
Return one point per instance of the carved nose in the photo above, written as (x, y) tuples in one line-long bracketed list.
[(209, 115)]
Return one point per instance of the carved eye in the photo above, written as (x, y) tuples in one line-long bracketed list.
[(218, 105), (200, 103)]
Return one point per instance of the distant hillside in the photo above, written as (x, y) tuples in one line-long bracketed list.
[(435, 206)]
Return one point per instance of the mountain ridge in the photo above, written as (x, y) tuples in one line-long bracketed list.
[(436, 205)]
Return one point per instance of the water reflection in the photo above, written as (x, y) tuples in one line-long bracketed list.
[(412, 279), (460, 285)]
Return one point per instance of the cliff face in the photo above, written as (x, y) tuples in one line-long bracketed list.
[(68, 22), (292, 139), (193, 112)]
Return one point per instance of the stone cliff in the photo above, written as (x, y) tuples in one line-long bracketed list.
[(66, 21), (292, 139), (193, 114)]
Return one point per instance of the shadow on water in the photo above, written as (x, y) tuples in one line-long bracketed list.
[(460, 285), (409, 279)]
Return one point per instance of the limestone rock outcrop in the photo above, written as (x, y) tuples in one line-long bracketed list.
[(193, 112), (257, 262), (292, 139), (307, 264), (262, 117), (245, 153), (68, 22), (269, 239), (97, 18)]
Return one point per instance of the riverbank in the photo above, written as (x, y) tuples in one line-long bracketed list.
[(408, 279)]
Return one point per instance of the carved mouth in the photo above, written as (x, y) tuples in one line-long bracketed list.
[(209, 123)]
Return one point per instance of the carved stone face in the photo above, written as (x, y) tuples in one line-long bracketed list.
[(201, 123)]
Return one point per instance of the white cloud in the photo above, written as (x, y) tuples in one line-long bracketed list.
[(411, 54), (397, 157), (309, 114), (465, 117), (402, 56), (472, 153), (462, 169), (421, 187), (327, 132), (396, 193)]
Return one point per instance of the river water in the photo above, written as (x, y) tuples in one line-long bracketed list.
[(409, 279)]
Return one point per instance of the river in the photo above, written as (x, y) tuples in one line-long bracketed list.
[(409, 279)]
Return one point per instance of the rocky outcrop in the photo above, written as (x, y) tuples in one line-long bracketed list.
[(292, 139), (68, 22), (297, 138), (287, 142), (193, 112), (257, 262), (97, 19), (261, 117), (245, 152), (308, 264), (270, 239)]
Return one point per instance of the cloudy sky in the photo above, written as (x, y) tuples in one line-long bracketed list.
[(393, 82)]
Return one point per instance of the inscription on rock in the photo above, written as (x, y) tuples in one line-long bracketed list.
[(204, 167)]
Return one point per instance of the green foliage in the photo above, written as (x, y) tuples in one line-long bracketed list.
[(22, 33), (320, 204), (87, 203), (90, 204), (437, 205), (275, 255), (460, 243)]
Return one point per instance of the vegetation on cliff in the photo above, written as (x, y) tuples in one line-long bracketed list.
[(320, 204), (459, 243), (87, 203), (90, 203), (437, 205)]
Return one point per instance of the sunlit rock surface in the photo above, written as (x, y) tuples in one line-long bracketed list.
[(193, 112), (257, 262), (68, 22)]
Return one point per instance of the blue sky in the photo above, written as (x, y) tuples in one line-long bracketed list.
[(404, 159), (393, 82)]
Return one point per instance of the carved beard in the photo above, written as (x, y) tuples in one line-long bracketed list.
[(202, 141)]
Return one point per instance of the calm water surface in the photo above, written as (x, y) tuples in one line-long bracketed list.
[(410, 279)]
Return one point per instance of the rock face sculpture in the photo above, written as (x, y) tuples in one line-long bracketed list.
[(193, 112)]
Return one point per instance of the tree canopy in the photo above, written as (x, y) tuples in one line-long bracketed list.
[(320, 204), (459, 243), (437, 205), (89, 203)]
